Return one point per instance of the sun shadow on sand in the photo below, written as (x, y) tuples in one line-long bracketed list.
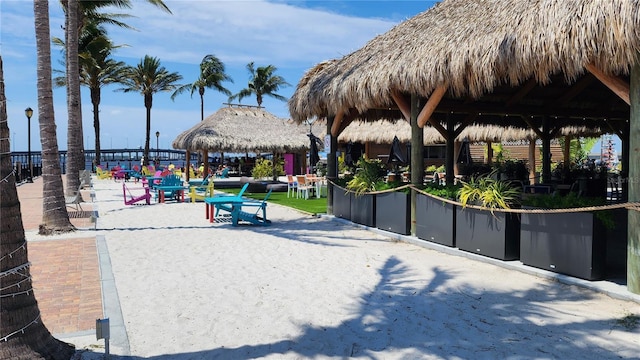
[(441, 317)]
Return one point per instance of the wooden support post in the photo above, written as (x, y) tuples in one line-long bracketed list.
[(450, 152), (187, 164), (456, 150), (332, 165), (566, 152), (489, 158), (417, 157), (546, 151), (633, 244), (532, 162)]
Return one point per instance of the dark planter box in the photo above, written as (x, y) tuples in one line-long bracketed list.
[(617, 245), (494, 235), (435, 220), (342, 203), (567, 243), (363, 209), (393, 212)]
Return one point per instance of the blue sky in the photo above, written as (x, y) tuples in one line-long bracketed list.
[(291, 35)]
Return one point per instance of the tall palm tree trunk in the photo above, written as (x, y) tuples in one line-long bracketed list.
[(75, 148), (148, 102), (22, 333), (54, 210), (205, 153), (95, 101)]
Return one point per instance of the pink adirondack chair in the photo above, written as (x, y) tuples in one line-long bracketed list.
[(131, 199)]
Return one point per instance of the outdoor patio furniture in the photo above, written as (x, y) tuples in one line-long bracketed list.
[(74, 200), (131, 199), (292, 186)]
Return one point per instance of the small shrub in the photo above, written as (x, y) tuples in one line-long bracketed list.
[(264, 169), (489, 192), (369, 174)]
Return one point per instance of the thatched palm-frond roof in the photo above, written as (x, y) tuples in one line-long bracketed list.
[(486, 51), (243, 129), (383, 132)]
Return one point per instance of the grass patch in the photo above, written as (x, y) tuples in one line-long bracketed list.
[(313, 205)]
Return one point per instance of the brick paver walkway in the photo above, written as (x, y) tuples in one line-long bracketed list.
[(65, 272)]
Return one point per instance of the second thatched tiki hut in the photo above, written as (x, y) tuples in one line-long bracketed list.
[(242, 129)]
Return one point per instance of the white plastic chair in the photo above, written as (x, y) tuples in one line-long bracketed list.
[(292, 186), (303, 186)]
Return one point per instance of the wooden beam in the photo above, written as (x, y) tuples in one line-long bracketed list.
[(439, 128), (575, 90), (524, 90), (431, 105), (614, 83), (533, 127), (404, 107), (468, 120), (336, 123)]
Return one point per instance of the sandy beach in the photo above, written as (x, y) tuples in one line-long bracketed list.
[(177, 287)]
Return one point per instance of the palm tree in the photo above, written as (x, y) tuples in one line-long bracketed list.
[(212, 73), (262, 81), (97, 69), (55, 218), (77, 13), (24, 336), (148, 78), (75, 146)]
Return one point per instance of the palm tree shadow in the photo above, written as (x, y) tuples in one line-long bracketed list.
[(438, 317)]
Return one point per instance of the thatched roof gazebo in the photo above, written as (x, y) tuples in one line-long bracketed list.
[(240, 128), (474, 61), (544, 63)]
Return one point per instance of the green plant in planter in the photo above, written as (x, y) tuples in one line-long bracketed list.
[(443, 191), (489, 193), (571, 200), (369, 174), (430, 169), (386, 185)]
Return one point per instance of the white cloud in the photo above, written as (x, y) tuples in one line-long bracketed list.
[(242, 31)]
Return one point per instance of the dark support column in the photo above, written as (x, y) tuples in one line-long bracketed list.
[(624, 173), (450, 151), (546, 151), (417, 156), (633, 245), (186, 164), (332, 165)]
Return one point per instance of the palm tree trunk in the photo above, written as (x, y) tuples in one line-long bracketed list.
[(95, 101), (148, 102), (54, 217), (75, 148), (22, 333)]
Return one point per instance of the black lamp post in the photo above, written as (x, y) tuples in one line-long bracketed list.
[(157, 148), (29, 112)]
